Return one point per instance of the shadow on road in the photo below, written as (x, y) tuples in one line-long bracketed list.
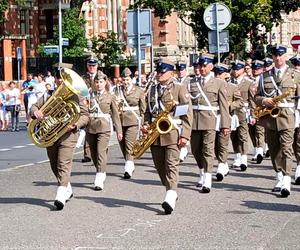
[(116, 203), (26, 200), (278, 207)]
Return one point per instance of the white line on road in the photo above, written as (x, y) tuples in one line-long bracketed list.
[(39, 162), (5, 149), (19, 147)]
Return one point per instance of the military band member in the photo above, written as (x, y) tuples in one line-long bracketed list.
[(296, 145), (61, 152), (210, 113), (90, 76), (268, 64), (183, 79), (239, 137), (104, 115), (256, 131), (165, 150), (235, 101), (181, 74), (132, 109), (280, 130)]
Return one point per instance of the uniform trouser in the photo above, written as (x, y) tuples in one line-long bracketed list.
[(129, 138), (61, 156), (202, 146), (99, 148), (221, 147), (296, 146), (257, 135), (280, 148), (86, 149), (239, 138), (166, 161)]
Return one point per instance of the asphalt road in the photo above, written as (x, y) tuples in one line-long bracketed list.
[(240, 213)]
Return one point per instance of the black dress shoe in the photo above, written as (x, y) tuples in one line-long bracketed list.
[(243, 167), (267, 155), (86, 159), (166, 206), (127, 175), (259, 159), (297, 181), (220, 177), (285, 193), (97, 188), (276, 189), (205, 190), (198, 185), (59, 205)]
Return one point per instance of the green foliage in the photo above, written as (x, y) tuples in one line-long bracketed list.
[(73, 29), (246, 16), (108, 49), (3, 7)]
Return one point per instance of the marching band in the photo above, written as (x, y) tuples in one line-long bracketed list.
[(202, 111)]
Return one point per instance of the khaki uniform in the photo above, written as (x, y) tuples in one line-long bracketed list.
[(183, 81), (235, 102), (90, 82), (296, 144), (204, 120), (131, 116), (103, 115), (239, 137), (280, 131), (61, 152), (165, 150)]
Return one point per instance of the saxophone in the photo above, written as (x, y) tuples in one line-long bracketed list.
[(160, 126), (59, 111), (274, 112)]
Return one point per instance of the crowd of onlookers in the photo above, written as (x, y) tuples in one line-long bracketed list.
[(13, 95)]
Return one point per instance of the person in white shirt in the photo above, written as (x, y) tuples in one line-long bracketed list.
[(13, 104), (4, 117), (50, 79)]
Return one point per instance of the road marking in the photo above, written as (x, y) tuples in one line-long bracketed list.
[(39, 162), (16, 167), (19, 147), (5, 149)]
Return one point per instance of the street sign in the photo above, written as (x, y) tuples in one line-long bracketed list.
[(19, 53), (214, 12), (295, 42), (65, 41), (51, 49), (145, 41), (223, 41), (145, 20)]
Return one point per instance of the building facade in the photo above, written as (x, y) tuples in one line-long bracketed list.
[(29, 25)]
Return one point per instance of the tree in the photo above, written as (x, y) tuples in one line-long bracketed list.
[(246, 16), (108, 49), (4, 5), (73, 29)]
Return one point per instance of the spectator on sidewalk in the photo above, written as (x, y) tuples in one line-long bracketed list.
[(13, 104), (50, 79), (4, 117), (24, 91), (40, 87)]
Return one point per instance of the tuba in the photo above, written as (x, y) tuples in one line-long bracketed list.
[(161, 125), (274, 112), (59, 111)]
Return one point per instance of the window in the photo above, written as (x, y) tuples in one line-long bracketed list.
[(49, 23)]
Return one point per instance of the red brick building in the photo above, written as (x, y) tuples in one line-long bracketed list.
[(29, 25)]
